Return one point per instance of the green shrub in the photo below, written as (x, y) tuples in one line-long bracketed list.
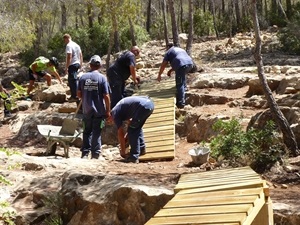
[(289, 36), (258, 148), (203, 23)]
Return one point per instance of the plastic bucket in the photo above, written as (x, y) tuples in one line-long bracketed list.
[(199, 155)]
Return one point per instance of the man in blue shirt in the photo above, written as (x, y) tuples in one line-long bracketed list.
[(135, 110), (182, 64), (93, 89), (120, 71)]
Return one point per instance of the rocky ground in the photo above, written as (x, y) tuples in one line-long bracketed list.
[(285, 189)]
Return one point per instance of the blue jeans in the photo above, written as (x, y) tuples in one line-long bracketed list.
[(181, 84), (135, 130), (72, 79), (92, 127)]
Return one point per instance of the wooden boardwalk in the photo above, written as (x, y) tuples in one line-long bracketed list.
[(228, 197), (159, 129)]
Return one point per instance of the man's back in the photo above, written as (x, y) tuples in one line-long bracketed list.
[(177, 57), (93, 86), (73, 48), (121, 65)]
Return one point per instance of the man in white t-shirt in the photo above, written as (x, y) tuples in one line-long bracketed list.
[(73, 64)]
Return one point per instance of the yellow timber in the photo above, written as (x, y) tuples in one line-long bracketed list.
[(230, 196), (159, 129)]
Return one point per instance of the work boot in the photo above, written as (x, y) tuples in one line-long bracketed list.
[(143, 151), (130, 159)]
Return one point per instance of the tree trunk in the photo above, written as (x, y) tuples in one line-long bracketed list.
[(237, 14), (289, 8), (63, 15), (148, 22), (288, 135), (214, 17), (174, 23), (116, 33), (181, 17), (110, 45), (164, 8), (132, 33), (191, 28), (90, 16)]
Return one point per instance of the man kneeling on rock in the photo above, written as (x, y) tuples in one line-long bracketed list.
[(135, 110)]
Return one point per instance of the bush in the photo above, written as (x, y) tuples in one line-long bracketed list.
[(203, 23), (258, 148), (289, 36)]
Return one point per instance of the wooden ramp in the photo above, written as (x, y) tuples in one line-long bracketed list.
[(159, 129), (228, 197)]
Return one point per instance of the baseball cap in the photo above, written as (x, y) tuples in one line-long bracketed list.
[(95, 60)]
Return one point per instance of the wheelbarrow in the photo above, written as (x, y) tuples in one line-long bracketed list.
[(53, 136)]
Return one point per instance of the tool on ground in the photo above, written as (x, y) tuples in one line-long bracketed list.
[(69, 125)]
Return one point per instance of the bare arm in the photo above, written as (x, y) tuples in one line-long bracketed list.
[(79, 94), (57, 76), (68, 61), (107, 105), (133, 74), (161, 69), (121, 139)]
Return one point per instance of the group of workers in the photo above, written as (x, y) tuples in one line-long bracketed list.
[(104, 99)]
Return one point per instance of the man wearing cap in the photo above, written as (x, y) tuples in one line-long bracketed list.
[(93, 90), (73, 64), (120, 71), (182, 64), (135, 110)]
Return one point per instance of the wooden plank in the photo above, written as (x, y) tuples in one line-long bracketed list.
[(230, 218), (202, 210), (159, 124), (217, 171), (151, 129), (152, 144), (158, 155), (213, 194), (162, 114), (209, 179), (163, 148), (159, 137), (220, 176), (158, 133), (162, 110), (221, 200), (251, 184), (158, 119), (258, 205), (215, 182)]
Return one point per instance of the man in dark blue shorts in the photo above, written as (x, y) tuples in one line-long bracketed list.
[(182, 64), (120, 71), (93, 89), (135, 110)]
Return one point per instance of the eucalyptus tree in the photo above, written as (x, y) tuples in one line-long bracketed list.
[(118, 12), (16, 33), (191, 28), (288, 135), (174, 23)]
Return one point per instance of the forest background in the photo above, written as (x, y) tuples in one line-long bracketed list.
[(36, 27)]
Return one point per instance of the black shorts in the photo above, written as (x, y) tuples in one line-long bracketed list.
[(32, 76)]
